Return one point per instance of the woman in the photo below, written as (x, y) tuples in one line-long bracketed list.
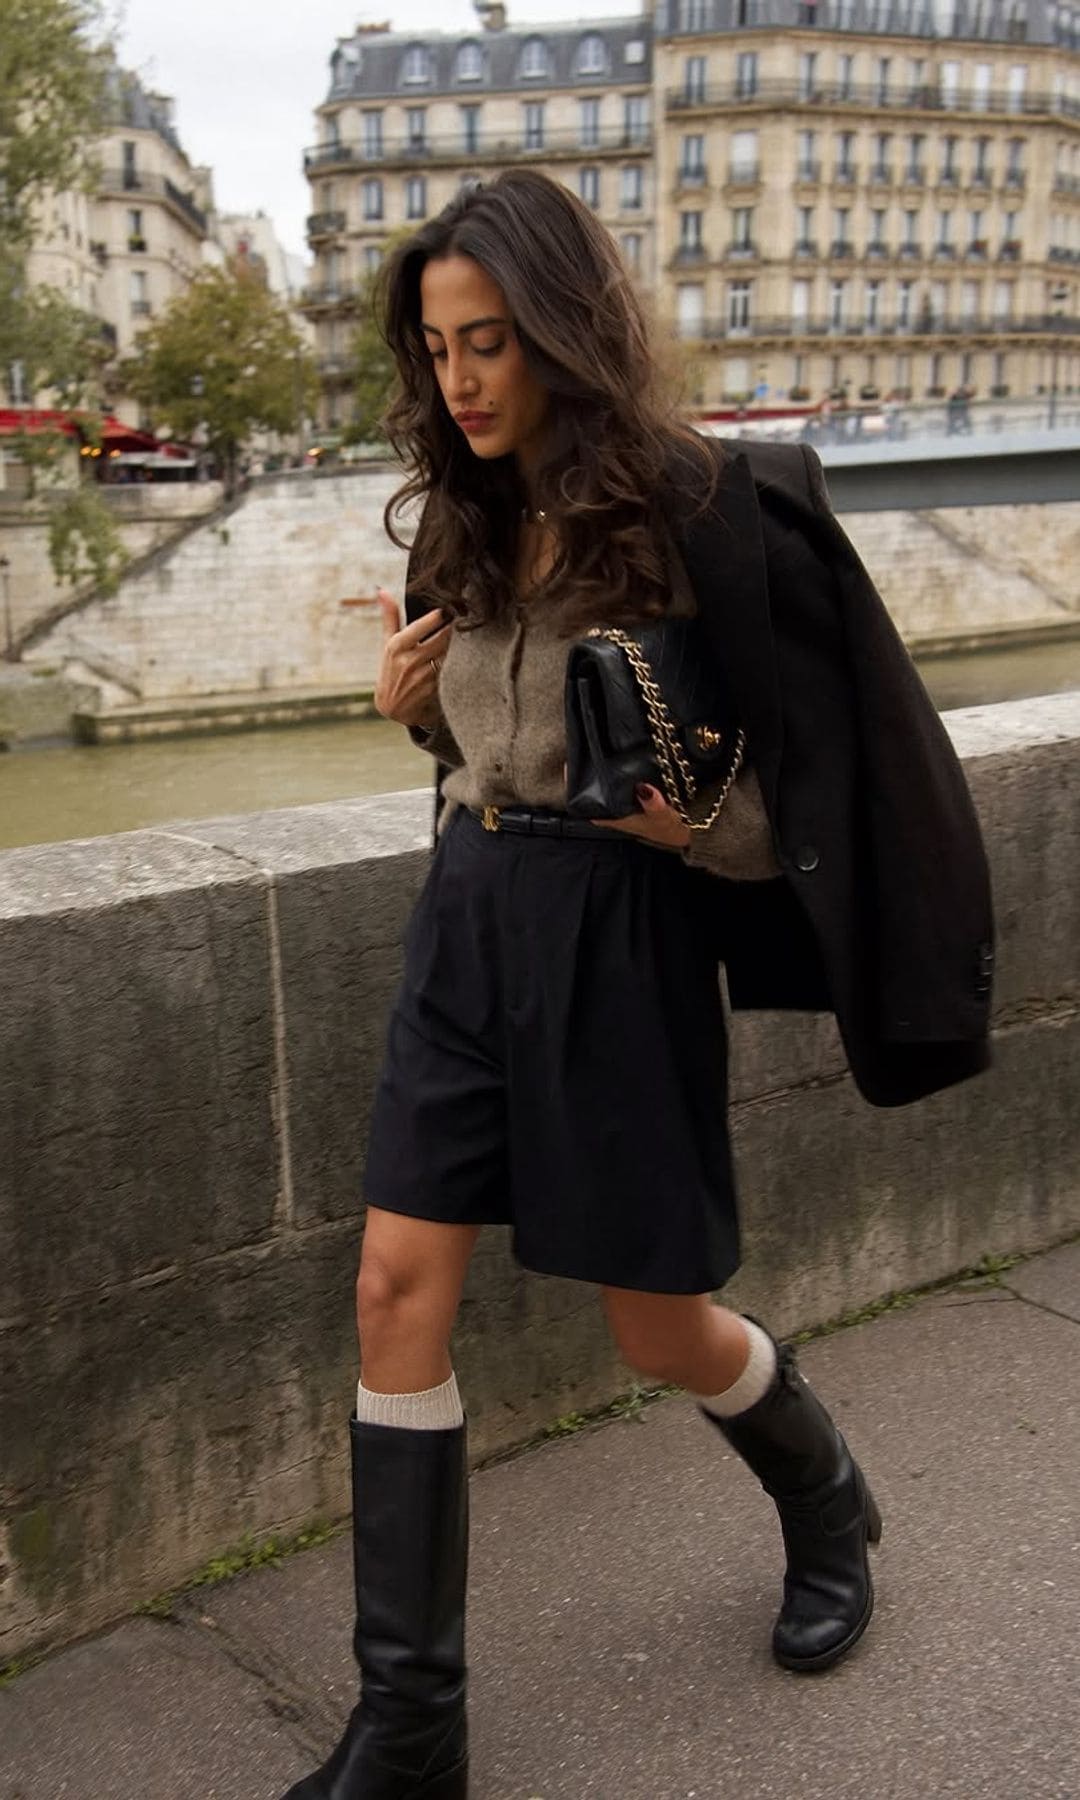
[(556, 1054)]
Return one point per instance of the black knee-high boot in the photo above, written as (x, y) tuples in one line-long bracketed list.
[(827, 1515), (407, 1736)]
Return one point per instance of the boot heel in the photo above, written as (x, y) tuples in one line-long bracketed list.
[(453, 1784), (873, 1519)]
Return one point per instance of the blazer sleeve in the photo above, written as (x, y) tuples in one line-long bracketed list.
[(439, 741), (934, 922)]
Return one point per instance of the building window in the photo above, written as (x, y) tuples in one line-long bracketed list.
[(692, 161), (949, 84), (534, 124), (800, 304), (982, 80), (873, 305), (631, 187), (841, 231), (1000, 385), (592, 56), (881, 170), (904, 295), (416, 127), (883, 69), (911, 220), (693, 15), (798, 381), (805, 230), (589, 186), (807, 164), (371, 196), (742, 228), (845, 76), (1014, 171), (416, 197), (944, 231), (694, 78), (976, 233), (807, 74), (837, 304), (136, 240), (1017, 87), (470, 128), (877, 229), (914, 170), (139, 293), (739, 306), (690, 233), (416, 69), (373, 256), (373, 138), (630, 244), (969, 301), (845, 155), (746, 75), (469, 65), (635, 119), (981, 171), (589, 127), (902, 374), (744, 155), (534, 64), (690, 308), (737, 378), (948, 160)]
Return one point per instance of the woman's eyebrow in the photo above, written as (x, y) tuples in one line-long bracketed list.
[(473, 325)]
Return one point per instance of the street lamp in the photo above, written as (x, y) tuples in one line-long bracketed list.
[(1058, 296)]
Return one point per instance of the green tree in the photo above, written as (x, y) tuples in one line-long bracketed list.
[(55, 74), (226, 358), (54, 78), (374, 372)]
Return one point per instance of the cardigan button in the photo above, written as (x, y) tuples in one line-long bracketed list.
[(806, 858)]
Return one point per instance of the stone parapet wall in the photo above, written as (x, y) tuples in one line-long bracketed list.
[(190, 1034)]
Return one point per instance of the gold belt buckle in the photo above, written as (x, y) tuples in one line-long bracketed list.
[(491, 818)]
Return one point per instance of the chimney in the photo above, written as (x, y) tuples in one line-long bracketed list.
[(492, 14)]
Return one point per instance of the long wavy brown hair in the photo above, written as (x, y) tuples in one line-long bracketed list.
[(611, 431)]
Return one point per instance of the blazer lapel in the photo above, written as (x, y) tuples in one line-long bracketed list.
[(724, 556)]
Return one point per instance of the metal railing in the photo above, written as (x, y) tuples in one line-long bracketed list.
[(322, 224), (925, 325), (453, 147), (867, 97), (159, 187)]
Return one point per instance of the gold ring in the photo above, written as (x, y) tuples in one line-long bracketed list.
[(436, 663)]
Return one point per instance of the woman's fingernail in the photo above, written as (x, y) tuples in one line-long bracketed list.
[(643, 791)]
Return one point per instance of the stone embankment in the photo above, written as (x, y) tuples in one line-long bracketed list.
[(251, 603), (191, 1029)]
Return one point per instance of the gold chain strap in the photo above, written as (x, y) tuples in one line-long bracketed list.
[(669, 752)]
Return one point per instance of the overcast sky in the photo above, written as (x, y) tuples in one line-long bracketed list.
[(247, 75)]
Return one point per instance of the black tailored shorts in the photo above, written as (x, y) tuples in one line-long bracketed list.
[(556, 1060)]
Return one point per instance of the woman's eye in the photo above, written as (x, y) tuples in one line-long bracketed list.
[(487, 349)]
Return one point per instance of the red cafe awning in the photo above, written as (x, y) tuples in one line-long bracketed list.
[(115, 435)]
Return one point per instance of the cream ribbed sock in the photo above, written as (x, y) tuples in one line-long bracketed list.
[(432, 1409), (754, 1382)]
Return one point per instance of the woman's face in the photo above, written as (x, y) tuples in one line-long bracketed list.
[(493, 398)]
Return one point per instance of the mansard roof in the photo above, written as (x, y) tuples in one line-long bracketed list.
[(373, 65)]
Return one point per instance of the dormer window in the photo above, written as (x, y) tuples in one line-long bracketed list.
[(417, 65), (470, 63), (592, 56), (534, 60)]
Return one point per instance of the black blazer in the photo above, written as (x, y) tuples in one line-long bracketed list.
[(882, 914)]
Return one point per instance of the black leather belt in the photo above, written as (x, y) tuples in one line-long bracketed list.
[(538, 821)]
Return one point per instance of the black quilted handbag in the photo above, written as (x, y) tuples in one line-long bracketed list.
[(648, 705)]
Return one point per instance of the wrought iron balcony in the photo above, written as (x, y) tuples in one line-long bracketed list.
[(485, 146), (153, 187), (325, 224), (869, 97), (330, 293), (950, 325)]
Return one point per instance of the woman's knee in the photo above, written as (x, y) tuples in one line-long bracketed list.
[(652, 1332), (410, 1276)]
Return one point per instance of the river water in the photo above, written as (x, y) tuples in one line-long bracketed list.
[(74, 791)]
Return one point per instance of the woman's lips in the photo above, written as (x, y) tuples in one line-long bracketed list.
[(475, 423)]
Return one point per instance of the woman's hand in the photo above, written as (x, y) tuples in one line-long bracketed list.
[(657, 821), (407, 685)]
